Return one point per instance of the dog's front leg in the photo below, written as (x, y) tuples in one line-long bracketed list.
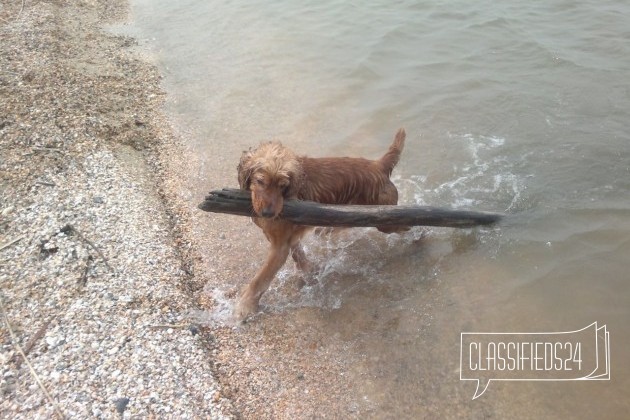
[(248, 302)]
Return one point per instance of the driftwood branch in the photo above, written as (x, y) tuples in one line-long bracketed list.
[(238, 202)]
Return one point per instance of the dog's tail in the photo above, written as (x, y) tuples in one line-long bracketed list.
[(390, 159)]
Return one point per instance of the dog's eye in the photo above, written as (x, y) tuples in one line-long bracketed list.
[(260, 181)]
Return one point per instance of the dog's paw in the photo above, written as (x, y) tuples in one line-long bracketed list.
[(244, 308)]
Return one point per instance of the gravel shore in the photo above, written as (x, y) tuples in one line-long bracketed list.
[(94, 269)]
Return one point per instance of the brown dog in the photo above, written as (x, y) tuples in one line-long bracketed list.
[(274, 173)]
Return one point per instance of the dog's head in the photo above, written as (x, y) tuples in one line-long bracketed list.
[(272, 173)]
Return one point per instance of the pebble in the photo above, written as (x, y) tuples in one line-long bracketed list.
[(121, 404), (54, 341), (193, 330)]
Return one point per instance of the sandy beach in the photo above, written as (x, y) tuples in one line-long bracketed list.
[(95, 273)]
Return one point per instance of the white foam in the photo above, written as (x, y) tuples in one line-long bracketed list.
[(483, 178), (221, 313)]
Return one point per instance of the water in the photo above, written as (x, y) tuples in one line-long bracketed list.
[(509, 106)]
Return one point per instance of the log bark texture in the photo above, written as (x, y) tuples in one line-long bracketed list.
[(238, 202)]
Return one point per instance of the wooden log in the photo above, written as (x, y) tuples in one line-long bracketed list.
[(238, 202)]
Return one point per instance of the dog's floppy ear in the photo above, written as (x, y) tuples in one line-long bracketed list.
[(296, 180), (245, 169)]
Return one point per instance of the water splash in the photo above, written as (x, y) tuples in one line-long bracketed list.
[(221, 313), (484, 178)]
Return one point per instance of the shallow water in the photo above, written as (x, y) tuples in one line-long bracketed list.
[(514, 107)]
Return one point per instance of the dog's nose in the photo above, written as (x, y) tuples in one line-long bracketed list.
[(267, 212)]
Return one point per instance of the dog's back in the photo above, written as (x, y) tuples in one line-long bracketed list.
[(344, 180)]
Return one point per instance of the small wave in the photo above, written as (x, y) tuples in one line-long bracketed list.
[(484, 177)]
